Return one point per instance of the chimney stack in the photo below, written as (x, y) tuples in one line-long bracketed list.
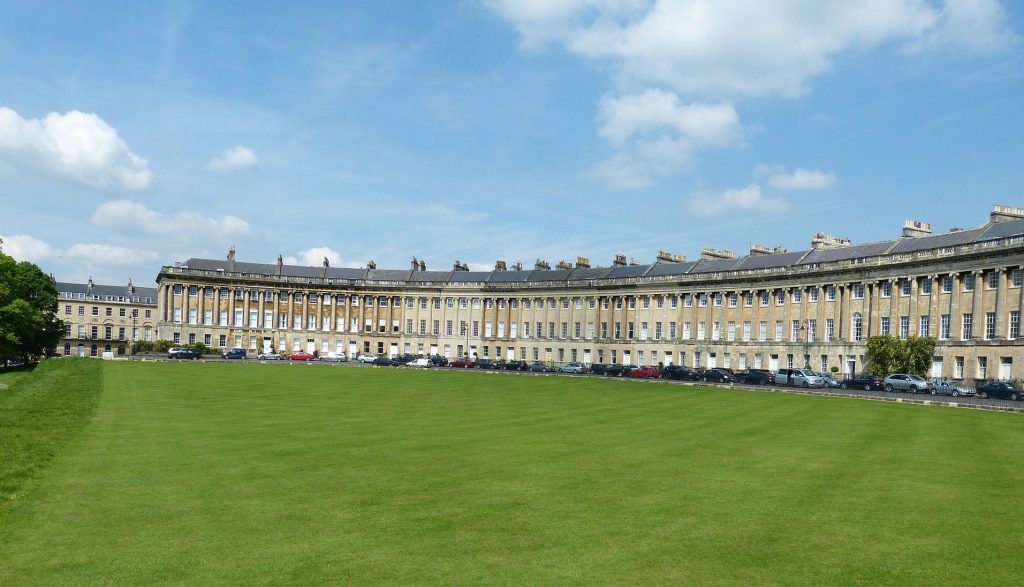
[(460, 266), (563, 265), (916, 228), (541, 265), (823, 240), (619, 261), (582, 262), (500, 265), (1001, 213), (710, 254)]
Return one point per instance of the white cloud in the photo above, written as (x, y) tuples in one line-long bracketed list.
[(27, 248), (234, 159), (657, 134), (315, 257), (132, 218), (803, 179), (111, 254), (749, 198), (75, 146), (745, 48)]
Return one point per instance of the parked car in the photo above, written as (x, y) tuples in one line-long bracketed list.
[(234, 353), (598, 368), (645, 372), (486, 364), (755, 377), (402, 359), (438, 361), (515, 366), (719, 376), (680, 373), (334, 357), (1000, 389), (905, 382), (947, 387), (571, 368), (798, 377), (618, 370), (421, 362), (366, 358), (301, 356), (463, 363), (538, 367), (828, 381), (865, 382), (381, 362), (268, 356), (184, 354)]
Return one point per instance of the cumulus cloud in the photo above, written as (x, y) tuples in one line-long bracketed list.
[(657, 133), (27, 248), (315, 256), (76, 146), (802, 179), (747, 48), (234, 159), (111, 254), (749, 198), (132, 218)]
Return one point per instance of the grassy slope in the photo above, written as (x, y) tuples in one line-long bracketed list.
[(41, 410), (203, 473)]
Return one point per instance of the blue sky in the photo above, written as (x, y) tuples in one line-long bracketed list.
[(134, 135)]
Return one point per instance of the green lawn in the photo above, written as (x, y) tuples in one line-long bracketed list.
[(276, 474)]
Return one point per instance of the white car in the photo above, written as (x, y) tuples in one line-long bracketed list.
[(334, 357), (268, 356), (421, 362), (366, 358)]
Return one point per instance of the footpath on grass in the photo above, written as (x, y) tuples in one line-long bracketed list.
[(42, 408)]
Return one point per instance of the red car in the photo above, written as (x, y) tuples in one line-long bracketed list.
[(462, 364), (301, 357), (644, 372)]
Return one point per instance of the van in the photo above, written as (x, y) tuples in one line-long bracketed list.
[(235, 353)]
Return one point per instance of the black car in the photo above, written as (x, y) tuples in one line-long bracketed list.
[(598, 368), (382, 362), (1000, 389), (719, 376), (184, 354), (865, 382), (677, 372), (400, 360), (438, 361), (538, 367), (486, 364), (756, 377), (516, 366), (619, 370), (235, 353)]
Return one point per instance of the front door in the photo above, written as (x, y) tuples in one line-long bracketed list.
[(773, 363), (937, 367)]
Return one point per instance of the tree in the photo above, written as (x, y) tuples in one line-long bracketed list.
[(889, 354), (28, 310)]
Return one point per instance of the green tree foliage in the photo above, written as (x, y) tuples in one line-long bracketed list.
[(889, 354), (28, 310)]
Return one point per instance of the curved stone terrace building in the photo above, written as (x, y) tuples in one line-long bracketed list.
[(768, 309)]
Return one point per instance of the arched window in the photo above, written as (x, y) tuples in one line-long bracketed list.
[(857, 327)]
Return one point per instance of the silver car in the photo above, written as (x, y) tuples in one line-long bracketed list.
[(571, 368), (947, 387), (806, 378), (905, 382)]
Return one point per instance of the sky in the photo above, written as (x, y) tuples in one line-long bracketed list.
[(139, 134)]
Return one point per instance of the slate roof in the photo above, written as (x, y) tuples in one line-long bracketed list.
[(142, 295), (988, 232)]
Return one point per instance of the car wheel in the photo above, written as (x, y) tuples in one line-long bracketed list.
[(842, 386), (935, 392), (889, 388), (867, 387), (983, 395), (1014, 396), (806, 384)]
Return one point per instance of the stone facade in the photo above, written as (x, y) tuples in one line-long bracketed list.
[(768, 309), (104, 318)]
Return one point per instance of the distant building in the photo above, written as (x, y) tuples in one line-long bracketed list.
[(104, 318), (768, 309)]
